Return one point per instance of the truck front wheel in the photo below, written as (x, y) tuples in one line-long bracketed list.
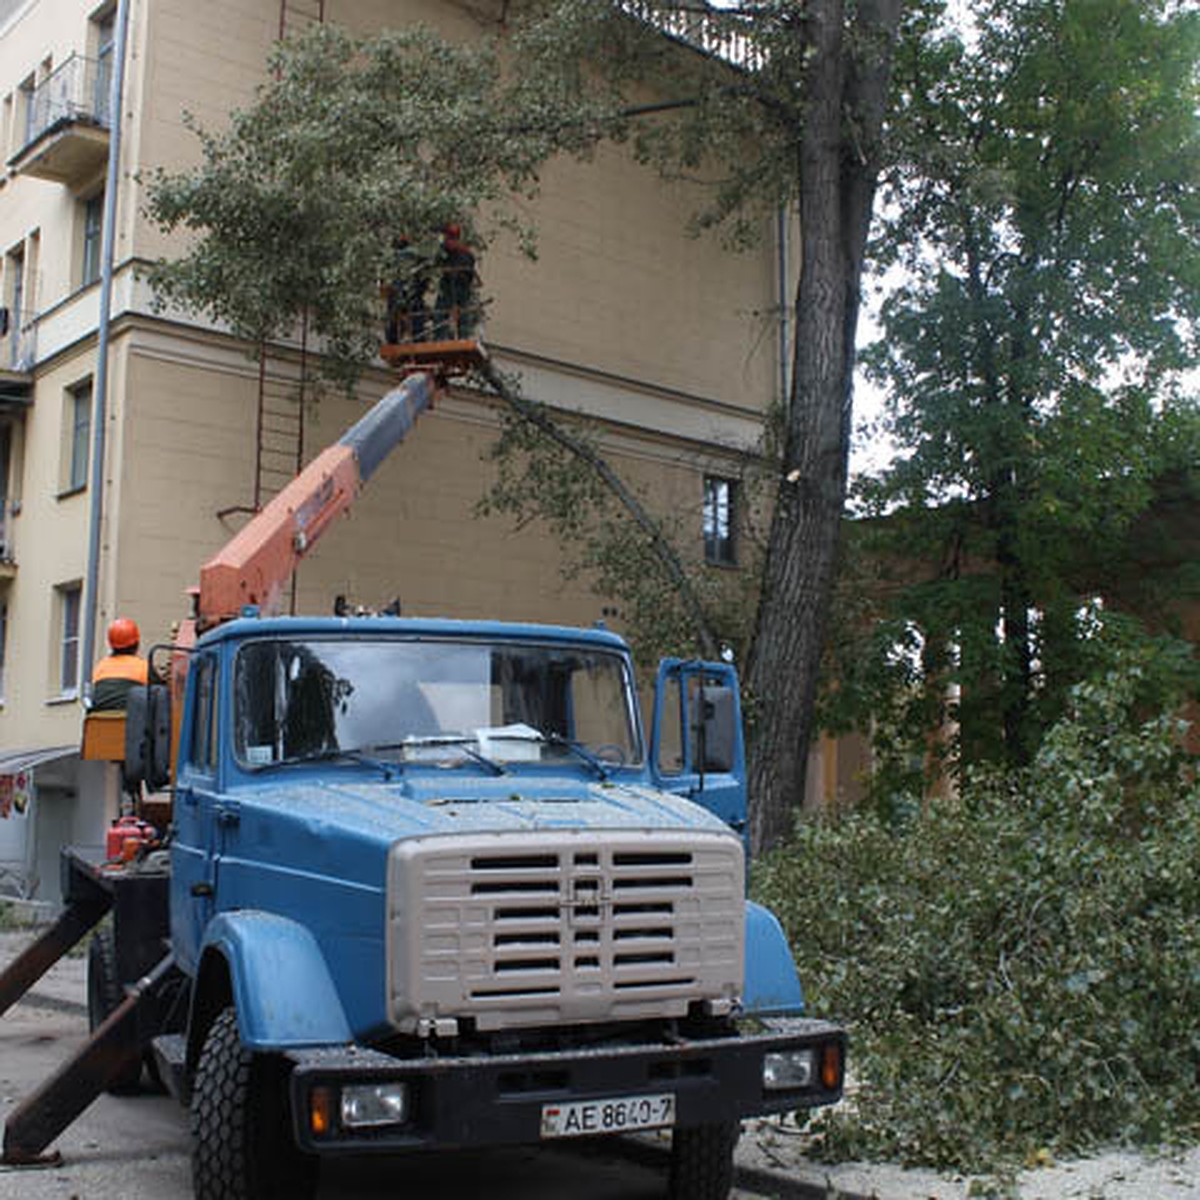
[(242, 1142), (702, 1161)]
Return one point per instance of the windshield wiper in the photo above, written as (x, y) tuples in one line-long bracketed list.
[(459, 741), (580, 751), (332, 753)]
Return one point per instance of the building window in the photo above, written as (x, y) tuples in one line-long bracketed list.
[(720, 520), (6, 134), (78, 431), (28, 109), (93, 223), (69, 597), (14, 288), (104, 27), (3, 644)]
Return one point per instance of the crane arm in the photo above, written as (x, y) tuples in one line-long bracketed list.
[(254, 567)]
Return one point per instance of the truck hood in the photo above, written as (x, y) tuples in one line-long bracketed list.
[(416, 807)]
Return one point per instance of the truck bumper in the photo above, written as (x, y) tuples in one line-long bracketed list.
[(492, 1100)]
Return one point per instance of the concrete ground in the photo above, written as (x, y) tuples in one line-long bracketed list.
[(149, 1136)]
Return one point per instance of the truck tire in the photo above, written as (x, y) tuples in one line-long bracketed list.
[(104, 993), (702, 1161), (242, 1143)]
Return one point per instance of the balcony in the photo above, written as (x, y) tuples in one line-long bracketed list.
[(66, 125)]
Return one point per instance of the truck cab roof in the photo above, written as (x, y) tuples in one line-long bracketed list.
[(415, 627)]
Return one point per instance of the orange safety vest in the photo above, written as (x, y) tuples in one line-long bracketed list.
[(122, 666), (113, 677)]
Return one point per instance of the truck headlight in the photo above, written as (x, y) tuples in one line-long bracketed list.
[(367, 1105), (789, 1070)]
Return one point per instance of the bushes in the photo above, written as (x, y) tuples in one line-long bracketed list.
[(1019, 966)]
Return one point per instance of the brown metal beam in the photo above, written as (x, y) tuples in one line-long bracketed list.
[(41, 1117), (35, 960)]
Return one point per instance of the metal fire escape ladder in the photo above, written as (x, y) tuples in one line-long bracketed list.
[(279, 424), (279, 435)]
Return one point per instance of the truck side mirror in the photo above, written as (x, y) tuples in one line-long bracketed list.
[(717, 729), (148, 736)]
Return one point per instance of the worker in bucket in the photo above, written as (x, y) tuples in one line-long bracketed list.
[(121, 670), (456, 305), (407, 309)]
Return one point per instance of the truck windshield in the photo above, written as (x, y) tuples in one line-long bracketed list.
[(433, 701)]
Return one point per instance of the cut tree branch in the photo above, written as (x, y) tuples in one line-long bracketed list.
[(533, 413)]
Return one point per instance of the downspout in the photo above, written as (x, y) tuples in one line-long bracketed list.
[(100, 384)]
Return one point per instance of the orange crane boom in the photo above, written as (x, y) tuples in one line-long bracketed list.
[(254, 567)]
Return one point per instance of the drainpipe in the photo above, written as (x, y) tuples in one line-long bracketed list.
[(108, 239)]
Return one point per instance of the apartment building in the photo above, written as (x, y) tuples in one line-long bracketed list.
[(673, 344)]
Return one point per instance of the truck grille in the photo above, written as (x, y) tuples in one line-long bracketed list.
[(528, 929)]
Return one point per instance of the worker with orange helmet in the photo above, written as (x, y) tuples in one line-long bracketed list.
[(121, 670)]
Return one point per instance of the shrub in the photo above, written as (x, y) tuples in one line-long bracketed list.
[(1019, 966)]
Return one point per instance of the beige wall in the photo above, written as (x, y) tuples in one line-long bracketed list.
[(189, 453), (50, 537)]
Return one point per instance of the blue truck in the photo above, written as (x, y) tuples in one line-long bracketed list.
[(433, 884)]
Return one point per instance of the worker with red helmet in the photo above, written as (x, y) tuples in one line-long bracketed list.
[(456, 307), (121, 670)]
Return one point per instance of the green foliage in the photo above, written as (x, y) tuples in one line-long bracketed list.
[(296, 204), (1019, 965), (1045, 204)]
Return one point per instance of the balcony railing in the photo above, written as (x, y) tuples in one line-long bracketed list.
[(76, 93), (8, 556), (703, 27), (18, 348)]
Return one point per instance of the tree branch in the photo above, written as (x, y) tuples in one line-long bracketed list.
[(534, 414)]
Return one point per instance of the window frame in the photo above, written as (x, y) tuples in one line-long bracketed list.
[(719, 520), (90, 263), (77, 437), (202, 736), (69, 609)]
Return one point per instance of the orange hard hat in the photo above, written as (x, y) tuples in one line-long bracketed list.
[(123, 634)]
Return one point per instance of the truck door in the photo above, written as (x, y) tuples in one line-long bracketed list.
[(696, 746), (194, 847)]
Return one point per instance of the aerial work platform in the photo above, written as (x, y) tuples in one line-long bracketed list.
[(446, 359)]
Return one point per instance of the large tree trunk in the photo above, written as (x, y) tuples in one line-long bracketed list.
[(845, 90)]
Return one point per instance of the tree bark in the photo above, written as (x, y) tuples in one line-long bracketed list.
[(846, 89)]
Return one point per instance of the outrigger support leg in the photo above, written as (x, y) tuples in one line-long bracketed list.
[(42, 1116), (85, 907)]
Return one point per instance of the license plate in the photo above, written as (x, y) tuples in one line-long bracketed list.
[(586, 1118)]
